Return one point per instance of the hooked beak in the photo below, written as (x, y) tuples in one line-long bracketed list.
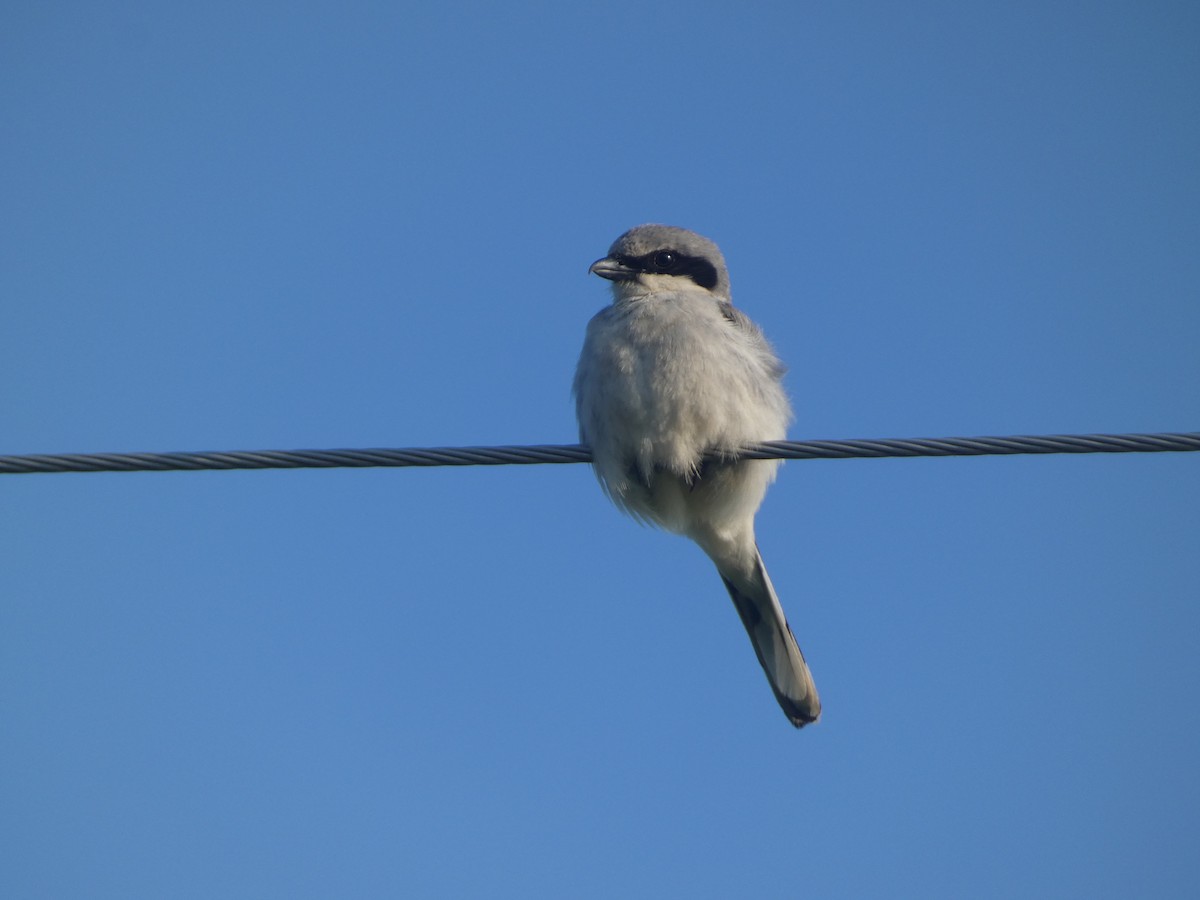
[(612, 269)]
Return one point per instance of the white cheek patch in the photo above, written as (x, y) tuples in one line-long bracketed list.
[(659, 282)]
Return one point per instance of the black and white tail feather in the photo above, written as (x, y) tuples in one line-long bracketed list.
[(778, 653)]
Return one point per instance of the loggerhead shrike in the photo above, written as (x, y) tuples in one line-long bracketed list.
[(670, 371)]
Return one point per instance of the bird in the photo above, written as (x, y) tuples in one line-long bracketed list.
[(672, 380)]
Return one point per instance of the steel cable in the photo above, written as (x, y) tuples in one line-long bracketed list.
[(575, 453)]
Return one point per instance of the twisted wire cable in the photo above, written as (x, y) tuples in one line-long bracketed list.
[(576, 453)]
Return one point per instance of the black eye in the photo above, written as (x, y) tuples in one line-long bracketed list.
[(665, 260)]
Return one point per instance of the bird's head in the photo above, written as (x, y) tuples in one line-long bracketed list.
[(652, 258)]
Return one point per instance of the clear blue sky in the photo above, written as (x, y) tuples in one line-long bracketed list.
[(232, 226)]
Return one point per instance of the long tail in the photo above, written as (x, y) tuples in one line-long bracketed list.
[(778, 653)]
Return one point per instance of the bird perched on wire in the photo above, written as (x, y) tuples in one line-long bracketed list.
[(672, 371)]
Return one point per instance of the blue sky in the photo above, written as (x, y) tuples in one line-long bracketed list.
[(357, 225)]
